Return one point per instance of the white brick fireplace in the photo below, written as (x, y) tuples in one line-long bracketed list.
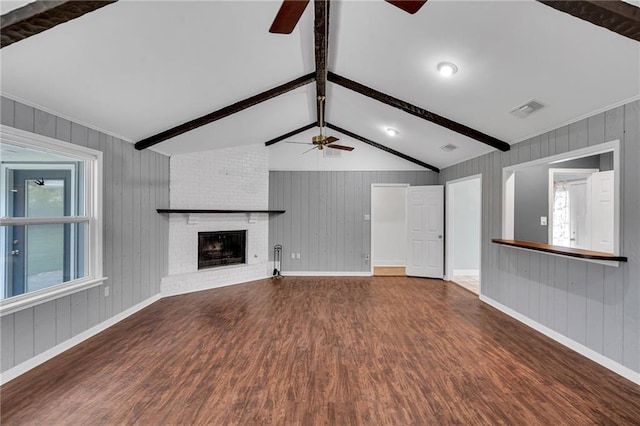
[(224, 179)]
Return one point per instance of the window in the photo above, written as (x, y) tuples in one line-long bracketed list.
[(50, 231), (570, 200)]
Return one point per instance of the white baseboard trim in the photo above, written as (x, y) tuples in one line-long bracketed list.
[(614, 366), (326, 273), (466, 272), (22, 368)]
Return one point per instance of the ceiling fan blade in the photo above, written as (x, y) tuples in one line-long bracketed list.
[(288, 16), (409, 6), (331, 139), (301, 143), (311, 149), (342, 147)]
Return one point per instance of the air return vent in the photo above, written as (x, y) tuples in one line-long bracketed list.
[(523, 111), (331, 153), (448, 147)]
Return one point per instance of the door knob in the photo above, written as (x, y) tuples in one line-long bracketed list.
[(440, 236)]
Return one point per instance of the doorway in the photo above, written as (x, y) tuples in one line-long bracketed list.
[(388, 229), (464, 230), (407, 224)]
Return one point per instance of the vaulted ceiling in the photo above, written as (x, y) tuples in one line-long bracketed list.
[(138, 68)]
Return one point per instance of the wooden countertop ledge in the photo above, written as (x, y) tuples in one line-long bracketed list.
[(564, 251)]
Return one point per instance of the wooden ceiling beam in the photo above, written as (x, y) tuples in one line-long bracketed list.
[(382, 147), (225, 112), (418, 112), (40, 16), (614, 15), (321, 40), (292, 133)]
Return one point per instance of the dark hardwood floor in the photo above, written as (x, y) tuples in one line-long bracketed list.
[(314, 351)]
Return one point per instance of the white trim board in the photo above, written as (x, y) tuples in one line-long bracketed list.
[(608, 363), (41, 358)]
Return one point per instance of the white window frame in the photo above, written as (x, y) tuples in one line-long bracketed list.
[(92, 218)]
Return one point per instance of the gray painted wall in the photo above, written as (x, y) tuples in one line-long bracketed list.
[(595, 305), (324, 219), (466, 217), (532, 197), (135, 239)]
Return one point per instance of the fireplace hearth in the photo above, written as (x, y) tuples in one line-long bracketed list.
[(221, 248)]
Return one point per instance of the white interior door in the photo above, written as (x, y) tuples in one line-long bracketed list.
[(602, 211), (425, 229)]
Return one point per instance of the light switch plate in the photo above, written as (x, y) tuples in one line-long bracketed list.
[(543, 220), (367, 217)]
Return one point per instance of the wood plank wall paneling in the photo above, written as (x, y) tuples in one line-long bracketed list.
[(135, 238), (595, 305), (324, 219)]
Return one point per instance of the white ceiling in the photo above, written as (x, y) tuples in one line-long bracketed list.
[(136, 68)]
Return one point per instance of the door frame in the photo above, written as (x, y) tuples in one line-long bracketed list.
[(449, 227), (372, 215)]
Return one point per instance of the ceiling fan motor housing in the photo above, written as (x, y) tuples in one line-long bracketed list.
[(318, 139)]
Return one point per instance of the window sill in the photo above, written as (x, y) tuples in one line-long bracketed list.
[(586, 255), (28, 300)]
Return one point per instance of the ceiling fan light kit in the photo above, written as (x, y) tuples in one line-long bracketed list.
[(392, 132)]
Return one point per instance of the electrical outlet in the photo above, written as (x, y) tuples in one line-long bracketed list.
[(366, 256), (293, 255), (543, 220), (297, 255), (106, 291), (367, 217)]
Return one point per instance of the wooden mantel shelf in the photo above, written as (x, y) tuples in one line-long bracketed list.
[(563, 251), (206, 211)]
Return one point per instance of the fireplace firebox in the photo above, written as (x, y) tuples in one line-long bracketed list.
[(221, 248)]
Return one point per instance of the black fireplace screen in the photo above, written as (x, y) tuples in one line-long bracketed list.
[(221, 248)]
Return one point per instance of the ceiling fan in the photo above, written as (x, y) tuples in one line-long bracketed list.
[(321, 141), (291, 11)]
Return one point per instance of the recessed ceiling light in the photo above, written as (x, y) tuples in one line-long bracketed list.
[(447, 68), (392, 132)]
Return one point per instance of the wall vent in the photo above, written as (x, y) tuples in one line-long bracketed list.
[(448, 147), (523, 111), (331, 153)]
